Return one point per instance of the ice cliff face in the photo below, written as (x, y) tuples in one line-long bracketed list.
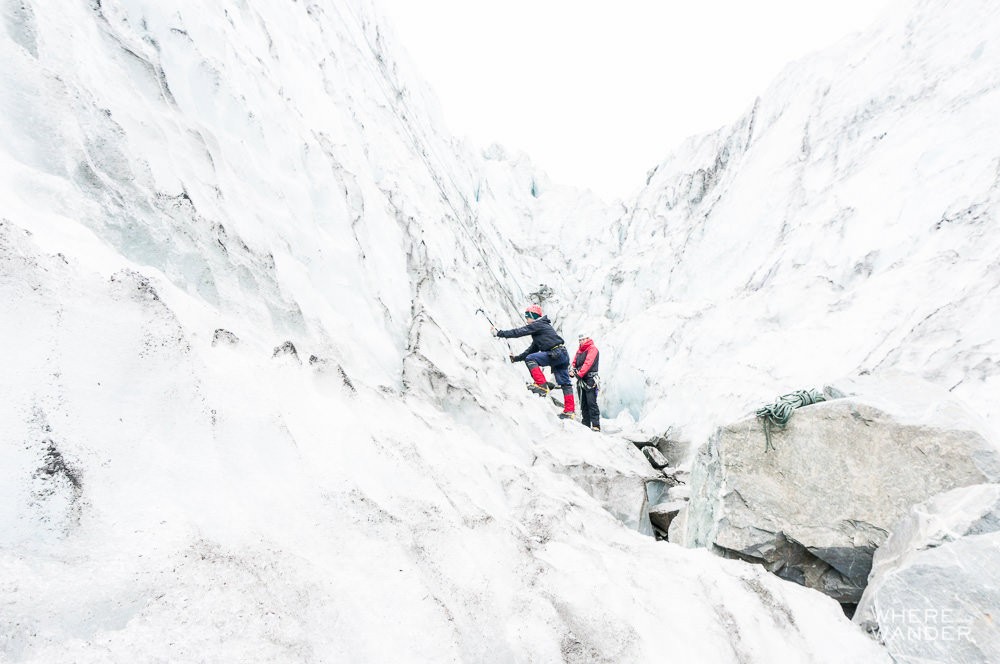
[(254, 157), (846, 224), (249, 412)]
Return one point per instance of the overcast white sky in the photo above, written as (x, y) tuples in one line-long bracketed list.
[(599, 92)]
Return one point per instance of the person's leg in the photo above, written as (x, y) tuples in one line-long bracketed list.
[(580, 396), (560, 369), (595, 412), (569, 404), (534, 362)]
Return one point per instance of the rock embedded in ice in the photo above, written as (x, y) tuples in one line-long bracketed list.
[(286, 349), (935, 583), (663, 514), (815, 507), (655, 457), (675, 451), (225, 337)]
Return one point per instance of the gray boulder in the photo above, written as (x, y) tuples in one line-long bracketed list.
[(674, 449), (655, 457), (815, 507), (935, 584), (663, 514)]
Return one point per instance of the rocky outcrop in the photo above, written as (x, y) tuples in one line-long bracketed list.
[(815, 507), (286, 349), (655, 458), (667, 497), (667, 493), (224, 337), (663, 514), (935, 584), (674, 450)]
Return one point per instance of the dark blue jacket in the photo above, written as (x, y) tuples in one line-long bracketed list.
[(543, 336)]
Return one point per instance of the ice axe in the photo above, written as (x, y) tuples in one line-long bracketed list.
[(480, 311)]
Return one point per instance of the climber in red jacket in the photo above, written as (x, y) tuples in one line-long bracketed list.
[(584, 367)]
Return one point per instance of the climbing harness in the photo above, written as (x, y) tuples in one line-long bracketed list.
[(779, 412)]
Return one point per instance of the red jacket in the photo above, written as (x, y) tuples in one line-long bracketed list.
[(586, 358)]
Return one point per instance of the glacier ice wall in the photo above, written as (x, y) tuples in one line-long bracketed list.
[(249, 412), (845, 225)]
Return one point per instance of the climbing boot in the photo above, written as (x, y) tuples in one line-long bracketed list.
[(540, 390), (597, 429), (567, 416), (540, 386)]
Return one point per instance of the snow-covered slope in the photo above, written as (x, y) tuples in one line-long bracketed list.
[(248, 411), (846, 224)]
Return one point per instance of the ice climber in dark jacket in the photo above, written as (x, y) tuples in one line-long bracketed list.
[(547, 349)]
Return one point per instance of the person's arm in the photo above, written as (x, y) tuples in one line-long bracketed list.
[(530, 328), (587, 362), (533, 348)]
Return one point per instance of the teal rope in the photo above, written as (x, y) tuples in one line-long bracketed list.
[(779, 412)]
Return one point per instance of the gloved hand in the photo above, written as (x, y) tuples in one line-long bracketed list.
[(512, 358), (572, 372)]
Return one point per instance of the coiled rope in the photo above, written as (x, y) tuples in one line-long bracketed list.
[(778, 413)]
